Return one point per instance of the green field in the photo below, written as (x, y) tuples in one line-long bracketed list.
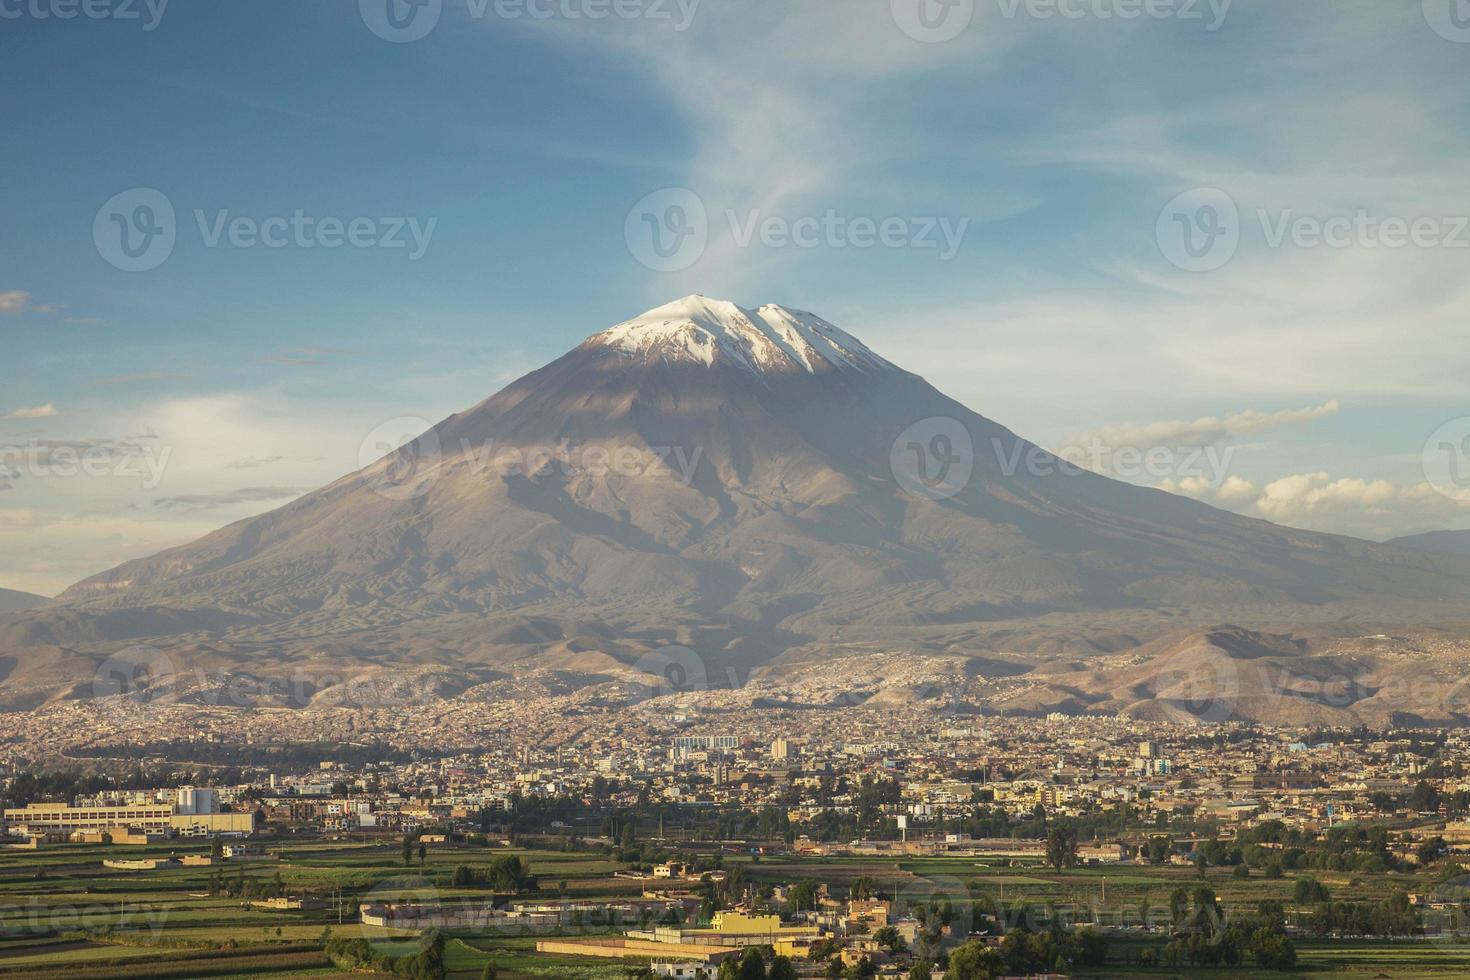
[(65, 915)]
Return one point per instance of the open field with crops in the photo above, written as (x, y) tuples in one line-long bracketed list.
[(67, 916)]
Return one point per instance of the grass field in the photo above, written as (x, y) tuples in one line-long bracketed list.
[(166, 924)]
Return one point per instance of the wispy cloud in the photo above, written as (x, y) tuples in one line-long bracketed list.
[(16, 301), (37, 412), (297, 356), (253, 462), (228, 498), (1203, 431)]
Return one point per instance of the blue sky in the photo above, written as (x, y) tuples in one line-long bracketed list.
[(1049, 140)]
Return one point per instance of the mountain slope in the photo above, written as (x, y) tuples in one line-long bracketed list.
[(11, 600), (1442, 542), (733, 480)]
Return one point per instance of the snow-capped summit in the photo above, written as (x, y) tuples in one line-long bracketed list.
[(770, 339)]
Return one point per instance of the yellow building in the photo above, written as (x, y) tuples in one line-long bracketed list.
[(733, 928), (618, 948), (65, 818)]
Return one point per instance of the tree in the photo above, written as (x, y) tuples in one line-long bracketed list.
[(889, 938), (804, 895), (781, 969), (407, 850), (1431, 850), (920, 971), (1274, 951), (974, 961), (752, 965), (489, 973), (423, 853), (1061, 846), (1310, 891)]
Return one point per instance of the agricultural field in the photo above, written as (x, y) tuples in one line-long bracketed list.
[(64, 915)]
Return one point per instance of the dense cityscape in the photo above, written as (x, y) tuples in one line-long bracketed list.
[(839, 842)]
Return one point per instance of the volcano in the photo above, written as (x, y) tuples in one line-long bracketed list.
[(755, 484)]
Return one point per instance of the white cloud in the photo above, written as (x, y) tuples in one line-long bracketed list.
[(69, 524), (14, 301), (37, 412), (1204, 431), (1375, 509)]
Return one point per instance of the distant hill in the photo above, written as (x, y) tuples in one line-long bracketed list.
[(10, 601), (1440, 542)]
